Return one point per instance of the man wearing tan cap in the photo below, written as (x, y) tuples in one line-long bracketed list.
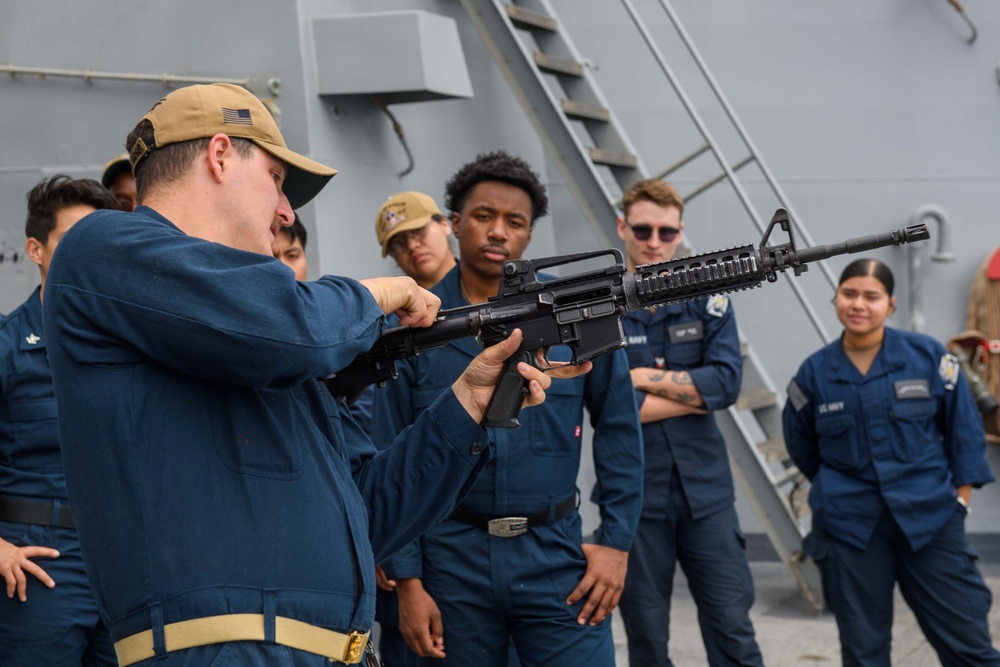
[(228, 511), (410, 227), (118, 178)]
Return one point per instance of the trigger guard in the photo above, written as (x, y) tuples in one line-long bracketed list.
[(545, 358)]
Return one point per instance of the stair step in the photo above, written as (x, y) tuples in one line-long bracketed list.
[(755, 399), (585, 111), (799, 499), (527, 19), (613, 158), (556, 65), (786, 475), (773, 449)]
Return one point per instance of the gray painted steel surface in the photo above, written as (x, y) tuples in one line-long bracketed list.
[(866, 113)]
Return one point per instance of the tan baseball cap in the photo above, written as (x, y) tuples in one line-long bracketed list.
[(198, 112), (114, 168), (401, 213)]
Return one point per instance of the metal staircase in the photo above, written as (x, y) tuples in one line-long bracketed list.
[(588, 143)]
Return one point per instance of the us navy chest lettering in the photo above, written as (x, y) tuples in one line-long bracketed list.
[(686, 332)]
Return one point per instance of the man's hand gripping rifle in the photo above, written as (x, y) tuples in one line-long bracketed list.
[(583, 312)]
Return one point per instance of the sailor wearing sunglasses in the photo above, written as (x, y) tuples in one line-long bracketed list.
[(685, 362)]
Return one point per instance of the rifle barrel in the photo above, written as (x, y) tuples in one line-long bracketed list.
[(862, 243)]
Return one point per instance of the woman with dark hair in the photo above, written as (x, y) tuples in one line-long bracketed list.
[(883, 424)]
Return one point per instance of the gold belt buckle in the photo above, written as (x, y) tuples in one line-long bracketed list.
[(356, 642), (508, 526)]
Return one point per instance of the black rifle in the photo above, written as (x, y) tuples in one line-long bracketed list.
[(583, 312)]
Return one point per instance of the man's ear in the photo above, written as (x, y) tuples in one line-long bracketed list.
[(621, 228), (217, 154), (455, 217), (34, 249)]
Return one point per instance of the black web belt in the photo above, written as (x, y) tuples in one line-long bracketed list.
[(512, 526), (36, 512)]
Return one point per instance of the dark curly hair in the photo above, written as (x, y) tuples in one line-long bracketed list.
[(57, 192), (496, 166)]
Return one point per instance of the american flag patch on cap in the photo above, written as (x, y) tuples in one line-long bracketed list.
[(236, 116)]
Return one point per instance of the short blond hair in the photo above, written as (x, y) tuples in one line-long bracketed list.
[(653, 190)]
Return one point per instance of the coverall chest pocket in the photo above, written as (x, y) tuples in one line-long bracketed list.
[(681, 356), (34, 434), (257, 432), (838, 442), (555, 427), (915, 431)]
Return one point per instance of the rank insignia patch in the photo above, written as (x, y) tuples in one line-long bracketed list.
[(717, 305), (948, 370)]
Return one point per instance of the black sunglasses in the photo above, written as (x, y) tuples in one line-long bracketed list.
[(644, 232)]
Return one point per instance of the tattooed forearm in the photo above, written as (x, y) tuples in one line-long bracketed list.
[(681, 377), (681, 397), (674, 385)]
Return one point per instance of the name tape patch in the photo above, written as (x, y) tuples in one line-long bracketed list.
[(686, 332), (907, 389)]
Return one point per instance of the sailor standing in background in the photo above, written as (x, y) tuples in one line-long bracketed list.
[(409, 227), (510, 562), (58, 627), (884, 425), (686, 361)]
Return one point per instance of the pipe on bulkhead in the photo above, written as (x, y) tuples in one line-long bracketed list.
[(942, 254)]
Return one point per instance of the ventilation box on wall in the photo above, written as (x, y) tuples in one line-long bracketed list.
[(408, 56)]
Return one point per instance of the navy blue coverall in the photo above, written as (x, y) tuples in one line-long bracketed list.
[(392, 648), (885, 452), (688, 514), (490, 589), (211, 473), (57, 627)]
